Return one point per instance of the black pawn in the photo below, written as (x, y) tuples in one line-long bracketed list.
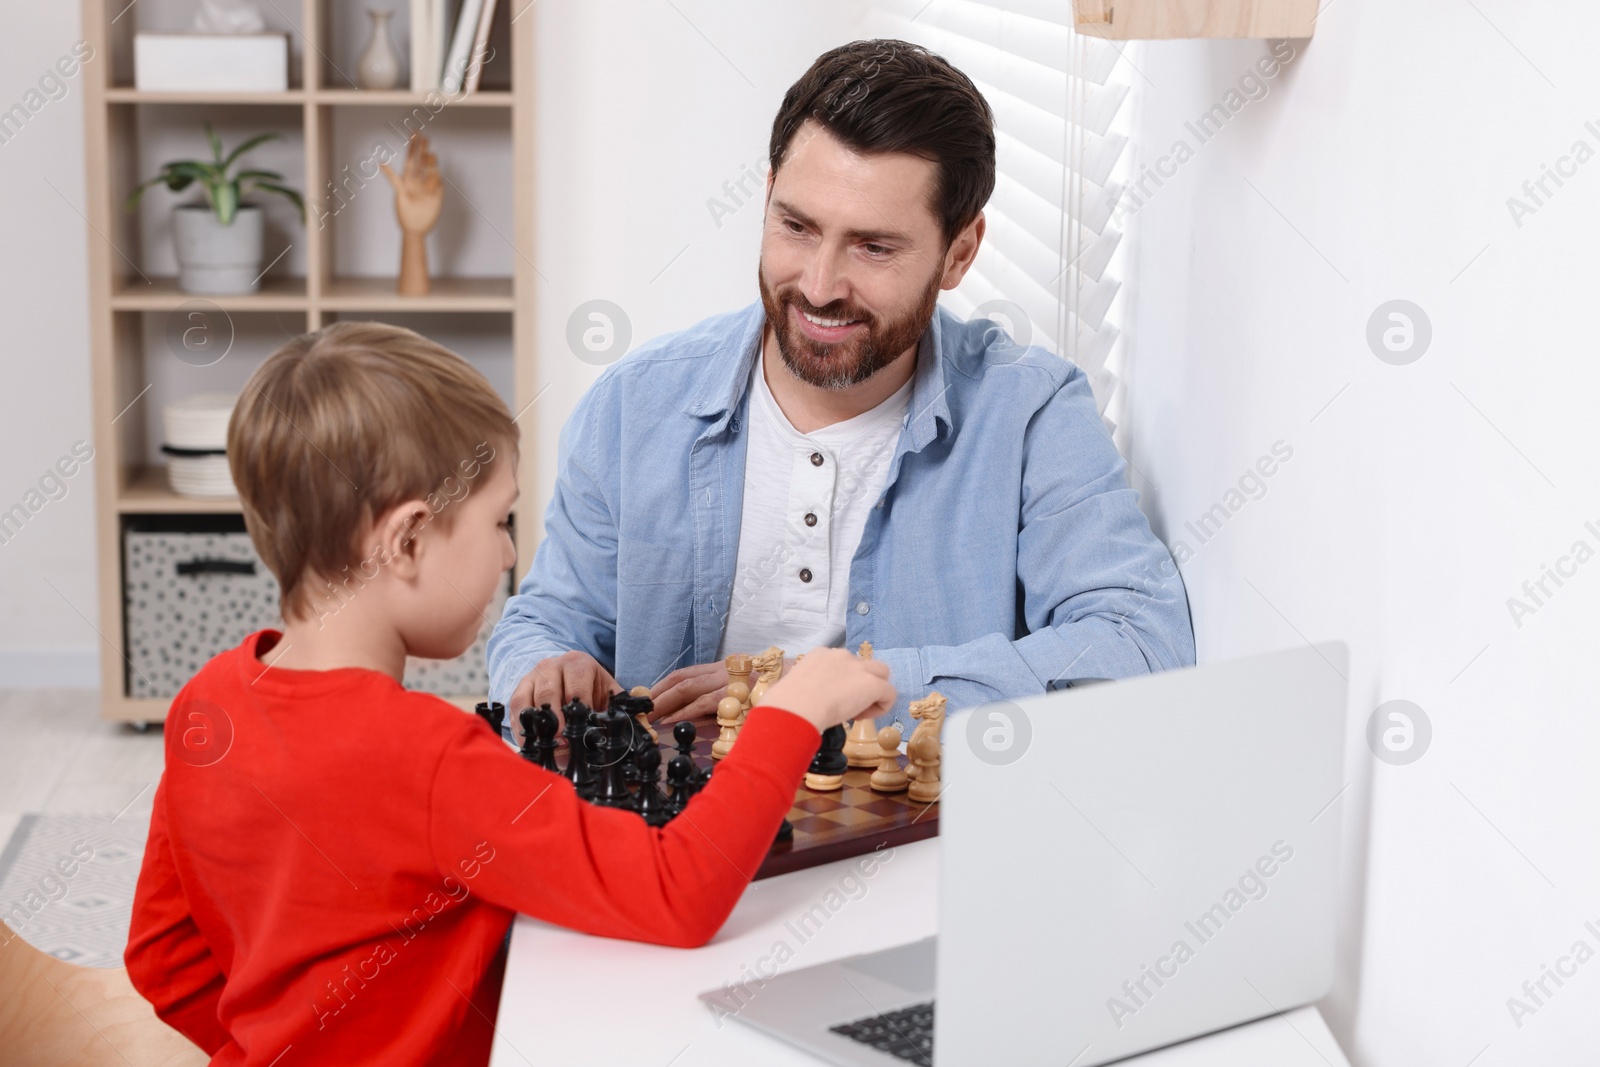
[(649, 803), (685, 734), (680, 778), (539, 727), (830, 757), (612, 790), (493, 713)]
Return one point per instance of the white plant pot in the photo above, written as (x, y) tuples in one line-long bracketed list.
[(213, 258)]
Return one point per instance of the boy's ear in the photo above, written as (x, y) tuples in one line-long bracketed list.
[(399, 537)]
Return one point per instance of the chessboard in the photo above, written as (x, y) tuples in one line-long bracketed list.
[(845, 822), (823, 826)]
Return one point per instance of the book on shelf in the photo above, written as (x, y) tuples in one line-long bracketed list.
[(464, 63), (430, 35)]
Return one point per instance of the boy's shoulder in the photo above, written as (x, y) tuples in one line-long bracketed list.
[(235, 695)]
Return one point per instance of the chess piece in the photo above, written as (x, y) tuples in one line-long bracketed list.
[(730, 716), (861, 747), (739, 668), (827, 769), (418, 198), (638, 734), (616, 729), (925, 749), (680, 784), (544, 726), (649, 803), (769, 665), (578, 770), (643, 715), (890, 777), (685, 733), (493, 713)]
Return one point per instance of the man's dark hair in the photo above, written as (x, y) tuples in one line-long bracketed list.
[(892, 96)]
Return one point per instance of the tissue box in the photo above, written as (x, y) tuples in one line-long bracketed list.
[(208, 62)]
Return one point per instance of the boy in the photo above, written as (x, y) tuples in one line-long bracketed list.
[(333, 861)]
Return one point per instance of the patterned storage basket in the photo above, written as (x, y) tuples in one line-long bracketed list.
[(193, 586)]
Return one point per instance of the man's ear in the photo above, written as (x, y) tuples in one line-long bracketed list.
[(963, 250), (398, 537)]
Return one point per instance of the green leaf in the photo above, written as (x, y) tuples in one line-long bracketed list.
[(225, 201), (242, 149), (216, 143), (270, 175), (293, 196)]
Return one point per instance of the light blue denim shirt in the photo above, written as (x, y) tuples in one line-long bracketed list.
[(1006, 555)]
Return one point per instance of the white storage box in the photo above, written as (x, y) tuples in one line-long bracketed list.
[(193, 586), (211, 62)]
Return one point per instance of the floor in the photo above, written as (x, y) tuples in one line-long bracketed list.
[(58, 756)]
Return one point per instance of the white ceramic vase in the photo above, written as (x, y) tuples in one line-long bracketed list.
[(379, 67), (213, 258)]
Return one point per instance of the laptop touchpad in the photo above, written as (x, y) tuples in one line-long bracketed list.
[(911, 967)]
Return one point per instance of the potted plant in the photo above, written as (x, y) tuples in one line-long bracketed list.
[(219, 241)]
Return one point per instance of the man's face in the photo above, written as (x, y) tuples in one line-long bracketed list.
[(850, 240)]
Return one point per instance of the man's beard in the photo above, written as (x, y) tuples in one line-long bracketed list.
[(850, 362)]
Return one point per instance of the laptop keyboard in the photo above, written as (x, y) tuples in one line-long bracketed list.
[(906, 1034)]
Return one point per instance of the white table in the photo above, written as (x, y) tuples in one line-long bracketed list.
[(573, 999)]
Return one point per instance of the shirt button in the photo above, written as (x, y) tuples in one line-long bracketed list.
[(862, 609), (805, 574), (816, 459), (811, 518)]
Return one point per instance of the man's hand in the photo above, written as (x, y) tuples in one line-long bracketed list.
[(555, 681), (689, 693)]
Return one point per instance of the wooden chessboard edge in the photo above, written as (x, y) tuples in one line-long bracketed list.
[(786, 859)]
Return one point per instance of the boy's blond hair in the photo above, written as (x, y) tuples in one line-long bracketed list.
[(338, 426)]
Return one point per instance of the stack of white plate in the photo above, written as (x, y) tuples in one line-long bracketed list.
[(196, 444)]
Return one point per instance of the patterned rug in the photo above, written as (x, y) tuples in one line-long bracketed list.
[(66, 883)]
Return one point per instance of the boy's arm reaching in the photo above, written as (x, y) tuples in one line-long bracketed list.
[(604, 871), (168, 961)]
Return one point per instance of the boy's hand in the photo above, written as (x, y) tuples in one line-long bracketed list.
[(832, 686), (555, 681)]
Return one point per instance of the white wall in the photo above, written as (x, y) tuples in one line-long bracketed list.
[(1418, 497), (652, 108), (46, 634), (645, 111)]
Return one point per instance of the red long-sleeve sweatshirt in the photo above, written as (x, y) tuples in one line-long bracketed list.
[(333, 863)]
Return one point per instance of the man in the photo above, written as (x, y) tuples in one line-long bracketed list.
[(846, 461)]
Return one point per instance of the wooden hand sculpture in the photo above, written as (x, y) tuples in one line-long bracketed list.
[(418, 197)]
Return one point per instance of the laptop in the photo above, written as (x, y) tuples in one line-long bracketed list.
[(1122, 866)]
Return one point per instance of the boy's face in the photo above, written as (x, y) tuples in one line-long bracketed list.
[(460, 564)]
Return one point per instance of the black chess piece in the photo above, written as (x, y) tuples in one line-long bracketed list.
[(680, 777), (612, 790), (529, 752), (830, 758), (539, 726), (649, 802), (684, 734), (786, 828), (579, 771), (493, 713)]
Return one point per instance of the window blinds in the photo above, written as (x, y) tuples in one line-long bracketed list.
[(1049, 250)]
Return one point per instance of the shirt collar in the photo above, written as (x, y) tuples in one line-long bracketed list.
[(722, 393)]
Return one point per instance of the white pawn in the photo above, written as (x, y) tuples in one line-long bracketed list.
[(890, 777)]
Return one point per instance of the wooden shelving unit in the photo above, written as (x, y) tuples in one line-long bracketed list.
[(1129, 20), (123, 297)]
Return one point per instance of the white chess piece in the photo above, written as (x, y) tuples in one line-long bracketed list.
[(228, 16)]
